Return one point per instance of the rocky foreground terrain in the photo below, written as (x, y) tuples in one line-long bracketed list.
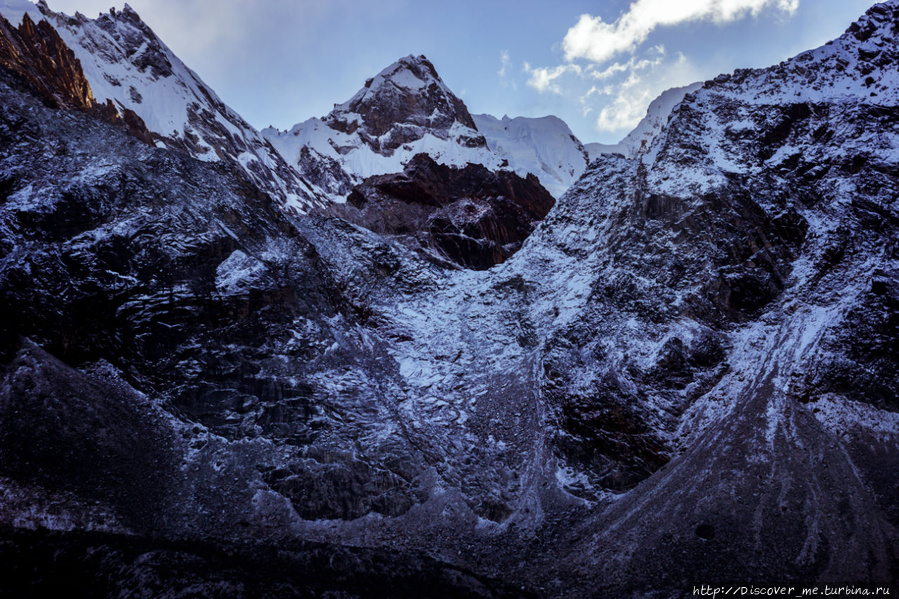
[(683, 372)]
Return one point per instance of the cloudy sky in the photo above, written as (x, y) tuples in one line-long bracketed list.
[(596, 64)]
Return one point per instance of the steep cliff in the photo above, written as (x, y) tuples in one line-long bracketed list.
[(130, 68), (468, 216), (38, 55)]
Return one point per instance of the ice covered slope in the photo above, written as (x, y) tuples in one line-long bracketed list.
[(726, 303), (125, 61), (404, 110), (647, 129), (852, 77), (545, 147)]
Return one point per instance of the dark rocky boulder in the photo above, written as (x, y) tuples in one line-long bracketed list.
[(471, 216)]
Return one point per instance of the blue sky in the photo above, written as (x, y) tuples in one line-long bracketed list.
[(596, 64)]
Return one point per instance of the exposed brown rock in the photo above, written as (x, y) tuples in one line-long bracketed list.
[(135, 125), (37, 54)]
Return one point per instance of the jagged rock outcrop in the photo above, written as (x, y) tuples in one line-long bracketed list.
[(37, 53), (469, 216), (402, 104), (126, 62)]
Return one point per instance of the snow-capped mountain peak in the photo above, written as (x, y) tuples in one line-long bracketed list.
[(126, 62), (408, 92), (402, 104), (404, 110), (407, 109), (857, 65)]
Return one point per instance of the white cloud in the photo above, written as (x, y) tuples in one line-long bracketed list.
[(586, 108), (505, 61), (613, 74), (626, 110), (503, 72), (628, 67), (593, 39), (543, 79), (629, 98)]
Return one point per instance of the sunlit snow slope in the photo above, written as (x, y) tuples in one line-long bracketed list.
[(125, 61), (545, 147)]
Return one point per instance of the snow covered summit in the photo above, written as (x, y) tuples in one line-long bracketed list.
[(125, 61), (402, 104), (404, 110), (407, 109)]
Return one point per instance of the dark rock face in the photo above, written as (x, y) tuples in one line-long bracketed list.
[(85, 434), (86, 565), (183, 281), (470, 216), (41, 57), (148, 294), (325, 173), (866, 370), (151, 59)]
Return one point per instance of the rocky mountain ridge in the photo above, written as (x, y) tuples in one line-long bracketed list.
[(38, 54), (125, 62), (406, 110), (684, 374)]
